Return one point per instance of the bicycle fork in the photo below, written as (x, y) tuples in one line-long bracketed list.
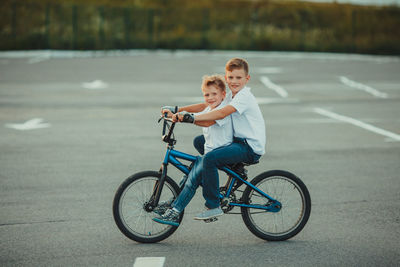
[(157, 189)]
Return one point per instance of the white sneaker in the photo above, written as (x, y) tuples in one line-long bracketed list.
[(208, 214)]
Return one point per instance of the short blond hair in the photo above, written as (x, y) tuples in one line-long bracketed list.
[(237, 64), (215, 79)]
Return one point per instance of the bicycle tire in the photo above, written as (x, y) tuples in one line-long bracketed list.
[(128, 207), (288, 189)]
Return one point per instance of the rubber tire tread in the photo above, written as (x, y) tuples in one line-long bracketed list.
[(116, 202), (307, 211)]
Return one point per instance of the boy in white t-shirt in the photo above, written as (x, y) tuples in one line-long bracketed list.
[(217, 133), (248, 129)]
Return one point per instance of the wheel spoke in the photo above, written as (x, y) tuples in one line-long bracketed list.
[(130, 214), (292, 195)]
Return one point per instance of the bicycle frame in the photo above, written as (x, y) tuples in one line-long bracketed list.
[(172, 156), (275, 207)]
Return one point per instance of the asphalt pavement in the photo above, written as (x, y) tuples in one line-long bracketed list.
[(74, 125)]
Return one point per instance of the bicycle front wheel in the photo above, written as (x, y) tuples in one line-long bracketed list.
[(291, 192), (129, 207)]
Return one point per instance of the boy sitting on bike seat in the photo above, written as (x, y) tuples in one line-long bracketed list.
[(217, 134), (248, 130)]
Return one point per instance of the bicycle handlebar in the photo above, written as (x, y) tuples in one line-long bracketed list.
[(164, 123), (167, 138)]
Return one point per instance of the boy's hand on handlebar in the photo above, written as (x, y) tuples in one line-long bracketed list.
[(170, 110), (183, 116), (175, 118)]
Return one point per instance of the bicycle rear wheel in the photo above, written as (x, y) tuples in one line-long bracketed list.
[(292, 217), (130, 215)]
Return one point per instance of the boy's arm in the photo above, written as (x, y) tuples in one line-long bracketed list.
[(179, 117), (194, 108), (204, 123), (214, 115)]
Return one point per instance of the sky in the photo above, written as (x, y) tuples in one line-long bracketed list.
[(363, 2)]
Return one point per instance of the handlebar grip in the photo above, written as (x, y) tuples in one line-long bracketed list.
[(164, 123)]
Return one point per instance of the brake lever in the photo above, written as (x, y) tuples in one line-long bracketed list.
[(163, 118)]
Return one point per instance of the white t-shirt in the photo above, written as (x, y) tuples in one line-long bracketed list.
[(219, 134), (248, 121)]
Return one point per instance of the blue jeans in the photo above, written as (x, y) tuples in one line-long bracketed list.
[(238, 151), (193, 180), (192, 183), (205, 171), (198, 143)]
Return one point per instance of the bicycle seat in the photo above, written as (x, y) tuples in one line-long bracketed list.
[(248, 164)]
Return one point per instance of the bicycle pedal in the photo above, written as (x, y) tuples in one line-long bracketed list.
[(211, 220)]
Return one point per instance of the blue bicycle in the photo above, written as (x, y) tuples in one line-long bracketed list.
[(275, 205)]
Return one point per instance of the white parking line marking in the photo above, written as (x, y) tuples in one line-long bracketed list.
[(36, 123), (362, 87), (97, 84), (268, 70), (38, 59), (149, 262), (270, 100), (279, 90), (358, 123)]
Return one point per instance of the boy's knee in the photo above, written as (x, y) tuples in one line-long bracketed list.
[(193, 182), (198, 143), (209, 159)]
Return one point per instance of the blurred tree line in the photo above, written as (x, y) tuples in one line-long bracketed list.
[(203, 24)]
